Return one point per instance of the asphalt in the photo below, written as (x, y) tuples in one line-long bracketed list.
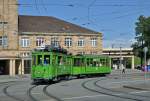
[(140, 86)]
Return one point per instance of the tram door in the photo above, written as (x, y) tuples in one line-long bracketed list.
[(69, 64), (79, 65)]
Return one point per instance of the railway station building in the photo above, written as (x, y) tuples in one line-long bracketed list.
[(120, 56), (20, 34)]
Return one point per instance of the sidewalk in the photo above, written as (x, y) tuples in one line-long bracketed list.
[(7, 78), (128, 71)]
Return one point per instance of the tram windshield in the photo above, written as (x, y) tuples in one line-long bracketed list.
[(39, 58), (46, 59)]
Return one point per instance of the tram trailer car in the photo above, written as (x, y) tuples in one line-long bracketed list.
[(55, 65), (90, 65)]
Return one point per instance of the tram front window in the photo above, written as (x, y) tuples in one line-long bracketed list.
[(46, 59)]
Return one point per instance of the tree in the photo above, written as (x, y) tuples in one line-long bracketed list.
[(142, 36)]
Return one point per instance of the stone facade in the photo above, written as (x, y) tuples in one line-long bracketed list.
[(9, 24), (87, 48), (8, 36)]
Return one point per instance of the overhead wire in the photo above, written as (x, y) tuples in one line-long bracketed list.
[(90, 5), (42, 2), (36, 7)]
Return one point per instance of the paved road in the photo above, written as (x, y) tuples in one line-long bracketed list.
[(114, 87)]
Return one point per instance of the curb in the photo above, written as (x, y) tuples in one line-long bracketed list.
[(7, 82), (136, 88)]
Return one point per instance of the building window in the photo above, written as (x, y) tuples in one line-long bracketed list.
[(81, 42), (94, 42), (3, 41), (93, 52), (25, 42), (81, 53), (39, 41), (3, 25), (55, 41), (68, 42)]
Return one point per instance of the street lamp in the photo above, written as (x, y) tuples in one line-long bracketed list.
[(145, 49), (120, 57)]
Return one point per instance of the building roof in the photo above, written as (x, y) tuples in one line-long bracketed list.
[(48, 24)]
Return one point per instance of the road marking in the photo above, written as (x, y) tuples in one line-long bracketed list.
[(79, 97), (128, 81), (139, 92)]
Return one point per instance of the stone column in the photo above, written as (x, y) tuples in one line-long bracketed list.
[(12, 68), (21, 67), (110, 62), (132, 62)]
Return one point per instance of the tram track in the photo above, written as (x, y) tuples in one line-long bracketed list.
[(33, 98), (9, 95), (50, 95), (105, 92), (30, 95), (5, 90)]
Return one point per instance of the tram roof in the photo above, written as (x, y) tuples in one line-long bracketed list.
[(91, 55)]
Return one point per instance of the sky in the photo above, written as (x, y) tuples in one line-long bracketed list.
[(115, 19)]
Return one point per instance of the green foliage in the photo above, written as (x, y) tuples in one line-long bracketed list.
[(142, 36), (128, 63), (137, 61)]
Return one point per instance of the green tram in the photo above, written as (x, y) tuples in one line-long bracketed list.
[(56, 64)]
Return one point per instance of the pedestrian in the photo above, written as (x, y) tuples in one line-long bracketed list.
[(1, 70), (123, 70)]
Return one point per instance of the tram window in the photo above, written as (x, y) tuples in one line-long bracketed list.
[(46, 59), (61, 60), (78, 62), (89, 63), (103, 62), (95, 62), (33, 60), (107, 62), (39, 59)]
